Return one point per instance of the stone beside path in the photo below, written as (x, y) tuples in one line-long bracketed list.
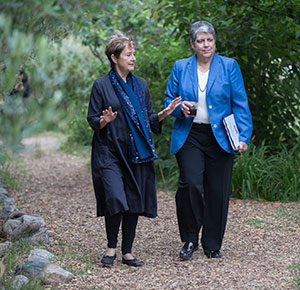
[(16, 225)]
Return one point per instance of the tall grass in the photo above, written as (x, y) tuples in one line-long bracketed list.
[(262, 175), (6, 175)]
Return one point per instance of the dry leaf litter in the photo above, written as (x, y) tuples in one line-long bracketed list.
[(261, 241)]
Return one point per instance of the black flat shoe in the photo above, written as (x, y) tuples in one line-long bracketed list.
[(108, 260), (132, 262), (187, 251), (213, 254)]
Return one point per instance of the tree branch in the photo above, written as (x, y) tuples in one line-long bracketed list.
[(95, 53)]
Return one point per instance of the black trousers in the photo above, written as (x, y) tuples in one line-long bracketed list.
[(112, 225), (203, 189)]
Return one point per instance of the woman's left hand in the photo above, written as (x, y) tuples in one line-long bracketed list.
[(243, 147)]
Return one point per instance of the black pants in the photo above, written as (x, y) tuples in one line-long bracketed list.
[(112, 225), (203, 189)]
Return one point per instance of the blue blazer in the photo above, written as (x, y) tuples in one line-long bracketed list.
[(225, 94)]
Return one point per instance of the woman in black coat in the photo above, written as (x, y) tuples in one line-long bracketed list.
[(121, 115)]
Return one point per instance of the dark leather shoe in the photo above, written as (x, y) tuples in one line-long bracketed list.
[(187, 251), (108, 260), (213, 254), (132, 262)]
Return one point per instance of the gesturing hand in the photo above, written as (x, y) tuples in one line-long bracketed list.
[(107, 116), (168, 110), (172, 106)]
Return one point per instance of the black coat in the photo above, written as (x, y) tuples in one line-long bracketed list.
[(119, 186)]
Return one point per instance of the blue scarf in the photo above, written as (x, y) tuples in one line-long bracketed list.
[(131, 96)]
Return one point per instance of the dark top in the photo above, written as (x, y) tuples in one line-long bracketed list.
[(119, 186), (25, 91)]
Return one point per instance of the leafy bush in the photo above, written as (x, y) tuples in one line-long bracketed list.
[(260, 175), (78, 68), (40, 110)]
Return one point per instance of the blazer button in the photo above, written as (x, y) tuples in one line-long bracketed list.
[(210, 106), (215, 125)]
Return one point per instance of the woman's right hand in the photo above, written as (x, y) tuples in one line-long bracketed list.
[(107, 116), (185, 108)]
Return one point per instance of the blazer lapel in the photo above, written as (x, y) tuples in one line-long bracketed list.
[(214, 67), (194, 76)]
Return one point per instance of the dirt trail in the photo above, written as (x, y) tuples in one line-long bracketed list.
[(261, 241)]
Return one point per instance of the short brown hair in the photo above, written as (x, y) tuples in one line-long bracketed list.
[(115, 45)]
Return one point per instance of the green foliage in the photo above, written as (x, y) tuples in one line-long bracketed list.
[(16, 49), (80, 132), (132, 17), (23, 118), (78, 70), (17, 250), (31, 285), (6, 175), (54, 19), (19, 116), (259, 175)]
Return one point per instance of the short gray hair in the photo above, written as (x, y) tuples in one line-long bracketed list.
[(201, 26)]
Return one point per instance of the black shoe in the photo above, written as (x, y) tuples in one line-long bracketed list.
[(187, 251), (132, 262), (108, 260), (213, 254)]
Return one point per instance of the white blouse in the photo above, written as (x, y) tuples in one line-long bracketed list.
[(202, 113)]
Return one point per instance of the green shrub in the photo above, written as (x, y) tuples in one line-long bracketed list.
[(79, 69), (19, 117), (260, 175)]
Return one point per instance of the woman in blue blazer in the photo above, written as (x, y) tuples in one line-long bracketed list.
[(214, 85)]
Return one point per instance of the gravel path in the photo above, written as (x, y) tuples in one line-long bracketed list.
[(261, 241)]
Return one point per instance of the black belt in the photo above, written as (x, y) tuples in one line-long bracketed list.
[(200, 124)]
